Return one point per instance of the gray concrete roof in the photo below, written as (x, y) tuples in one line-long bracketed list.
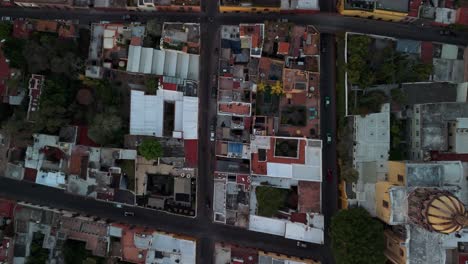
[(423, 93), (434, 118)]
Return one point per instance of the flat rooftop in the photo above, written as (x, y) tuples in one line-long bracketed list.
[(393, 5), (433, 123), (272, 3)]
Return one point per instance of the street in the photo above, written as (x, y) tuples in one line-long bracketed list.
[(202, 226)]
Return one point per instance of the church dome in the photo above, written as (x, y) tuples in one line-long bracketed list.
[(446, 214)]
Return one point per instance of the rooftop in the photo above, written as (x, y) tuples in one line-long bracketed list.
[(148, 113), (393, 5), (301, 161), (434, 118)]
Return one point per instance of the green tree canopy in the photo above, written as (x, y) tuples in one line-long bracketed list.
[(150, 149), (5, 30), (38, 255), (357, 238), (106, 127), (270, 200), (349, 174), (53, 106)]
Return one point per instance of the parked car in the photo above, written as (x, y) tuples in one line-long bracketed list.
[(327, 101), (446, 32), (129, 214), (329, 138), (6, 18), (207, 202), (301, 244), (212, 136)]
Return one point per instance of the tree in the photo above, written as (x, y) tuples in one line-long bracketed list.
[(261, 87), (150, 149), (37, 57), (106, 127), (5, 30), (349, 174), (53, 106), (277, 89), (357, 238), (38, 255), (74, 252), (152, 85), (13, 49)]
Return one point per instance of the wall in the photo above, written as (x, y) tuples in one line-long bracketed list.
[(396, 168)]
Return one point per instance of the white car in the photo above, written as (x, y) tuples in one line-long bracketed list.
[(212, 136), (300, 244)]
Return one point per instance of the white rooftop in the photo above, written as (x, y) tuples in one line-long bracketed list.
[(147, 113), (290, 230), (52, 179), (163, 62)]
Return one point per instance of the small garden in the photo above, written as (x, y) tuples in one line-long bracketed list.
[(271, 199), (294, 115), (286, 147)]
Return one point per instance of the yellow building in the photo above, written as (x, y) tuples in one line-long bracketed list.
[(252, 6), (278, 257), (395, 248), (388, 10)]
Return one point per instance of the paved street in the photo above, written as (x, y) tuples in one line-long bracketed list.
[(202, 227)]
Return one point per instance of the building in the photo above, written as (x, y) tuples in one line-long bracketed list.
[(251, 6), (143, 245), (377, 9), (176, 65), (36, 83), (233, 254), (169, 5), (438, 127), (62, 4), (149, 112), (424, 205), (371, 137), (109, 48), (48, 158)]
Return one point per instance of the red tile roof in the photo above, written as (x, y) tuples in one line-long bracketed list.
[(30, 175), (436, 156), (299, 218), (6, 249), (426, 52), (463, 258), (21, 29), (462, 16), (4, 74), (170, 86), (283, 48), (83, 138), (6, 208), (259, 167), (191, 152), (309, 196)]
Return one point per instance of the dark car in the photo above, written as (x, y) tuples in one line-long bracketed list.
[(207, 202), (329, 175)]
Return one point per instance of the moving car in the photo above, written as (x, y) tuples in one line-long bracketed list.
[(212, 136), (329, 138), (327, 101), (129, 214), (118, 205)]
